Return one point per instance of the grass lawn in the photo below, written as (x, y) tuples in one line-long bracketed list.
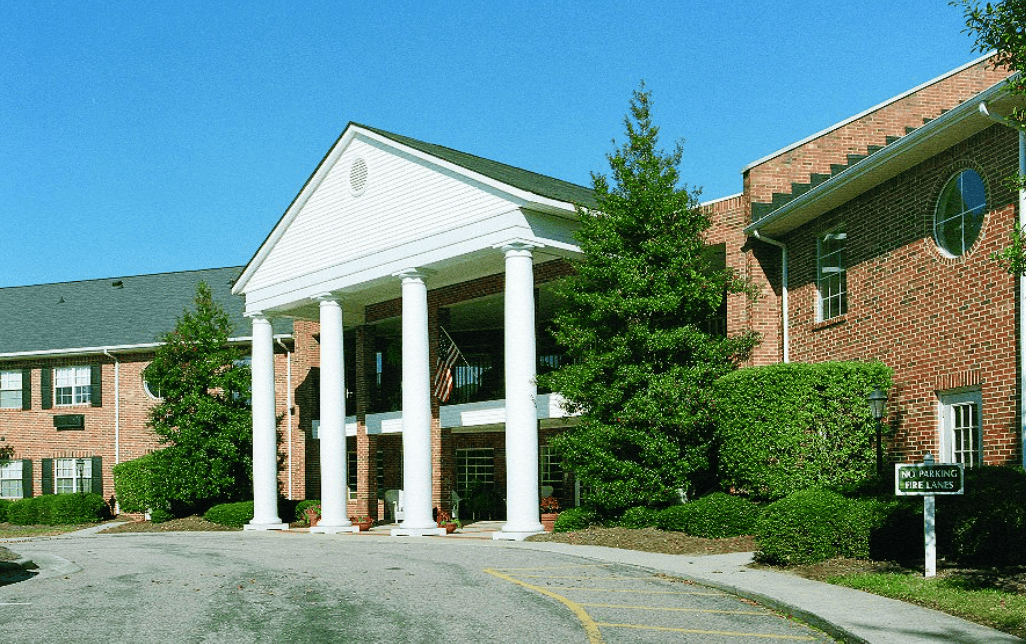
[(11, 531), (973, 597)]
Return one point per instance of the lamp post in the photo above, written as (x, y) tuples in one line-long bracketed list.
[(80, 466), (877, 404)]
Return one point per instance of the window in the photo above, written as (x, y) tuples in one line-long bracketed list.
[(959, 215), (152, 390), (10, 390), (551, 471), (960, 428), (831, 280), (474, 466), (13, 475), (351, 474), (73, 475), (72, 386)]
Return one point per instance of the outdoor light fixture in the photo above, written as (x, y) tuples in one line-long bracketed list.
[(877, 404), (80, 466)]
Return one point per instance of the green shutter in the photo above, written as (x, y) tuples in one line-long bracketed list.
[(47, 464), (26, 389), (97, 482), (26, 478), (96, 383), (46, 387)]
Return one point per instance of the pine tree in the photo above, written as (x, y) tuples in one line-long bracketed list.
[(633, 324), (204, 419)]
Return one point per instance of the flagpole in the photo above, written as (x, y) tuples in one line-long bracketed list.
[(454, 344)]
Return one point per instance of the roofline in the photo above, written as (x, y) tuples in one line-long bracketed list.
[(964, 111), (860, 115), (719, 199), (123, 277), (120, 348)]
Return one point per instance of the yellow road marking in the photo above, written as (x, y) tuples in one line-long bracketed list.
[(590, 628), (685, 610), (556, 567), (639, 592), (611, 577), (701, 632)]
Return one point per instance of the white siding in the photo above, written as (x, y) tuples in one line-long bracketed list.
[(405, 200)]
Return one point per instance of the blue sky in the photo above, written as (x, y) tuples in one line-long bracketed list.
[(141, 140)]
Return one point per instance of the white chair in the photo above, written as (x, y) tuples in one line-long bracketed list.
[(545, 490), (455, 498), (396, 499)]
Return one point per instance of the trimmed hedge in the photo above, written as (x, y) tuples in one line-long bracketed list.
[(134, 487), (814, 525), (789, 427), (986, 525), (575, 519), (4, 504), (640, 517), (58, 509), (715, 516), (232, 515)]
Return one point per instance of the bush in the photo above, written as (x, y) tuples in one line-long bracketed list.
[(715, 516), (232, 515), (159, 515), (640, 517), (986, 525), (4, 503), (58, 509), (574, 519), (134, 487), (789, 427), (814, 525)]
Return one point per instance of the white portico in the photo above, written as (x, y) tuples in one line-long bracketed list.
[(386, 217)]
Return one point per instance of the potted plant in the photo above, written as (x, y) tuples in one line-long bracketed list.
[(549, 512), (313, 515), (364, 522), (446, 521)]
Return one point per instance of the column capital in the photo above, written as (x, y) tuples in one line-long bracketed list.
[(257, 316), (414, 273), (520, 247), (327, 296)]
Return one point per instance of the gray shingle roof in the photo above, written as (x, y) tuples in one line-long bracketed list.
[(532, 182), (118, 311)]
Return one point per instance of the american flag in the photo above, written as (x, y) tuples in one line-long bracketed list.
[(448, 354)]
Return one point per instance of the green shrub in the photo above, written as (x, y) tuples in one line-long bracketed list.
[(302, 506), (159, 515), (987, 524), (232, 515), (58, 509), (814, 525), (789, 427), (715, 516), (4, 503), (134, 485), (640, 517), (575, 519)]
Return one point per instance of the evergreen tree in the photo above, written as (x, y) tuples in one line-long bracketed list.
[(204, 419), (634, 325)]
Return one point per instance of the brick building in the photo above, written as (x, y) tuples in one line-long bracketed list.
[(869, 240), (73, 401)]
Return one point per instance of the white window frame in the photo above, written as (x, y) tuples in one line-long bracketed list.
[(66, 479), (12, 476), (474, 464), (351, 474), (961, 413), (77, 385), (11, 386), (550, 468), (963, 215), (831, 275)]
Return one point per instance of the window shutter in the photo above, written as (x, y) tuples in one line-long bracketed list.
[(26, 478), (26, 389), (96, 486), (47, 464), (96, 384), (46, 387)]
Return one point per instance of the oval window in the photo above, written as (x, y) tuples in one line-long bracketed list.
[(960, 210)]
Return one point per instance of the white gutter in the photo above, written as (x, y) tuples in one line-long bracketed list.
[(1022, 278), (288, 407), (120, 348), (783, 291), (117, 416)]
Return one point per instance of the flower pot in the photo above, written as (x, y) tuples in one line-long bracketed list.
[(449, 527), (312, 516), (363, 525), (548, 520)]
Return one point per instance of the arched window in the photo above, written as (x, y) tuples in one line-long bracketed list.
[(959, 215)]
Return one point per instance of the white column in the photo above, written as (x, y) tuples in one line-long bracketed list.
[(334, 517), (522, 511), (416, 410), (265, 445)]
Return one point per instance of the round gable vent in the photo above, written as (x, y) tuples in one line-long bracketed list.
[(358, 177)]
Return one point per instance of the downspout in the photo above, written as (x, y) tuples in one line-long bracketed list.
[(288, 409), (117, 416), (783, 290), (1022, 280)]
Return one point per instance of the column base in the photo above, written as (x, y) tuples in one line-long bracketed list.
[(418, 532), (334, 529), (507, 535), (266, 526)]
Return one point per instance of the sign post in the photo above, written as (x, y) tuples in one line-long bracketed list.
[(928, 479)]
